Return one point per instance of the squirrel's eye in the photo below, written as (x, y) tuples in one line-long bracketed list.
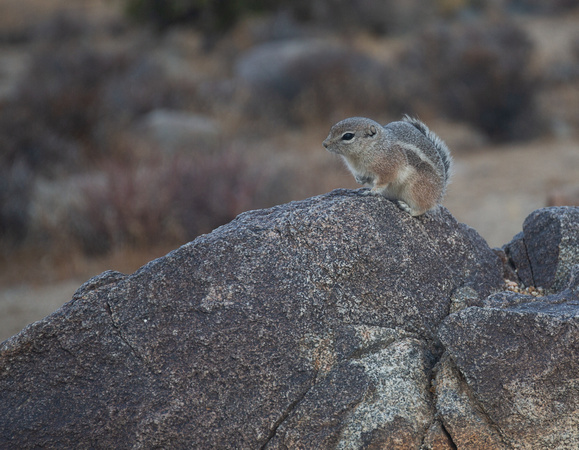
[(347, 136)]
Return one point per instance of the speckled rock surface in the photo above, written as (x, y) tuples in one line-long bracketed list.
[(518, 359), (509, 377), (544, 253), (315, 324)]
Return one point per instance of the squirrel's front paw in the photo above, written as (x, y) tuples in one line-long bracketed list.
[(362, 180), (369, 192), (404, 206)]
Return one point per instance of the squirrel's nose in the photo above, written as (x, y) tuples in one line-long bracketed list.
[(325, 143)]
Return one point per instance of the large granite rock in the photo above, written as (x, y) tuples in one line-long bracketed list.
[(316, 324)]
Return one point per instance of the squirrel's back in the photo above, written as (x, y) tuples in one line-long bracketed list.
[(438, 144)]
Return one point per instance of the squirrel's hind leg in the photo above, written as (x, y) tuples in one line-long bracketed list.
[(401, 204), (405, 207), (371, 192)]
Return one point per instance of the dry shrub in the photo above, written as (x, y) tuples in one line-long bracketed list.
[(214, 17), (541, 6), (379, 17), (75, 96), (66, 113), (28, 140), (169, 201), (84, 95), (28, 149), (15, 192), (477, 72)]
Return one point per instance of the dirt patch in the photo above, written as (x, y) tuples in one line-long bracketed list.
[(495, 189), (24, 304)]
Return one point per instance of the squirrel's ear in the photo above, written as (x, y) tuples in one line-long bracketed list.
[(372, 130)]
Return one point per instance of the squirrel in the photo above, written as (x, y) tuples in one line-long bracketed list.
[(403, 161)]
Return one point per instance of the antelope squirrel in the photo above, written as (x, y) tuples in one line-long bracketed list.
[(403, 161)]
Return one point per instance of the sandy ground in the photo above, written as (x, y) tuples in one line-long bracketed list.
[(493, 190), (23, 304)]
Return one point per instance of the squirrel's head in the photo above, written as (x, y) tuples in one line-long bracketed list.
[(351, 135)]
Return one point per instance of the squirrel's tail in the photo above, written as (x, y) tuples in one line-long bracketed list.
[(438, 143)]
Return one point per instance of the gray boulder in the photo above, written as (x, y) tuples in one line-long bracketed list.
[(510, 374), (513, 371), (299, 80), (285, 66), (324, 323), (548, 247), (309, 324), (178, 131)]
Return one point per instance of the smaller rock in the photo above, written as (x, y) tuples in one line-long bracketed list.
[(174, 131), (547, 249), (517, 364)]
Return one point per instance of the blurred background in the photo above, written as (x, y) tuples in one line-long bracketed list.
[(129, 127)]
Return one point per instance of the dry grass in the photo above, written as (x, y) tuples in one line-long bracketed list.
[(164, 200)]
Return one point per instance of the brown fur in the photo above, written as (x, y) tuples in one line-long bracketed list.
[(403, 161)]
